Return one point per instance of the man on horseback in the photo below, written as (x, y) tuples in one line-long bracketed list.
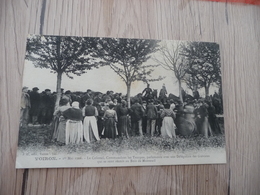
[(147, 93)]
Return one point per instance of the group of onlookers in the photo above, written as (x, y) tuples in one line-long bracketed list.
[(108, 116), (36, 108)]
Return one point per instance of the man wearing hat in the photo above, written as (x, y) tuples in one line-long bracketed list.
[(35, 105), (25, 107), (86, 96), (137, 113), (67, 95), (46, 107)]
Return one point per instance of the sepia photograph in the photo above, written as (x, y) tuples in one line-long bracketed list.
[(111, 102)]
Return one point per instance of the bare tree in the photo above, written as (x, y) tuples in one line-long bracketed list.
[(191, 82), (171, 60)]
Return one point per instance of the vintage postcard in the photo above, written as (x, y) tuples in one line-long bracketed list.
[(108, 102)]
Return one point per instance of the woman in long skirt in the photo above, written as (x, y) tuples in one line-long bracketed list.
[(110, 117), (90, 129), (74, 127), (60, 127), (168, 126)]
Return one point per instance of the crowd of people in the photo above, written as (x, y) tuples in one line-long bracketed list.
[(91, 116)]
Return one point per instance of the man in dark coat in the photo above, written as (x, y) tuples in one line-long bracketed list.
[(144, 118), (46, 107), (86, 96), (67, 95), (98, 98), (35, 105), (136, 118)]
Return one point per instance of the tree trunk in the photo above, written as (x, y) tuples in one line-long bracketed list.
[(58, 89), (59, 74), (128, 86), (206, 91), (195, 85), (180, 91)]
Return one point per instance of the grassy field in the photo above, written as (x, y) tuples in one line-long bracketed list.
[(39, 139)]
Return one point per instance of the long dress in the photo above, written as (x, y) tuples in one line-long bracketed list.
[(100, 123), (74, 132), (60, 127), (90, 129), (168, 126), (74, 127), (110, 129), (123, 121)]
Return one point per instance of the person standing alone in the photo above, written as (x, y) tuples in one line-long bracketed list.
[(25, 107)]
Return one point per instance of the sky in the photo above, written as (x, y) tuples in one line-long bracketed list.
[(101, 79)]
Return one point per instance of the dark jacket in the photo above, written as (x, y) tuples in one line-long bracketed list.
[(90, 110), (136, 112), (151, 111), (35, 103), (73, 114)]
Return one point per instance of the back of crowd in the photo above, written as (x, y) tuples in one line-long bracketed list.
[(108, 116)]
